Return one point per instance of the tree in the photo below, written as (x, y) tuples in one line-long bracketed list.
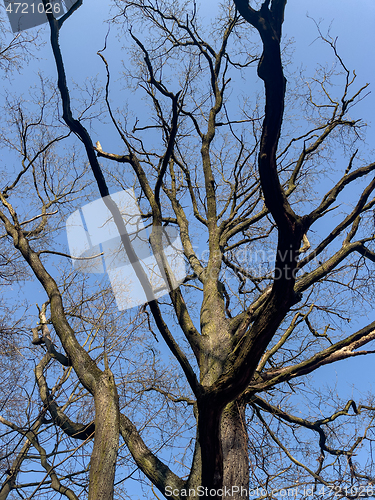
[(246, 178)]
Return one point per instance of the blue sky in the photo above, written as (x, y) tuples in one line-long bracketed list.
[(83, 35)]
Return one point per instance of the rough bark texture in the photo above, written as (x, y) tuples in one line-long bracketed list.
[(107, 425), (234, 440)]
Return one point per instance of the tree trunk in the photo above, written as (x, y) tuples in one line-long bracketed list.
[(107, 429), (234, 443), (234, 440)]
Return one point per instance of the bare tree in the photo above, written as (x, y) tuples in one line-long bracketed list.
[(252, 320)]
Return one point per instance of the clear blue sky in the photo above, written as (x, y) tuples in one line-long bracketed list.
[(353, 23)]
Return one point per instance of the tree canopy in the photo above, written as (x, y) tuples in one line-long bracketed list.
[(265, 180)]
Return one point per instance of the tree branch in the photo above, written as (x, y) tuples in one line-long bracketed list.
[(158, 473)]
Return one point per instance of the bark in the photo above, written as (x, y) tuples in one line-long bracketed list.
[(234, 440), (216, 346), (233, 454), (107, 428)]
